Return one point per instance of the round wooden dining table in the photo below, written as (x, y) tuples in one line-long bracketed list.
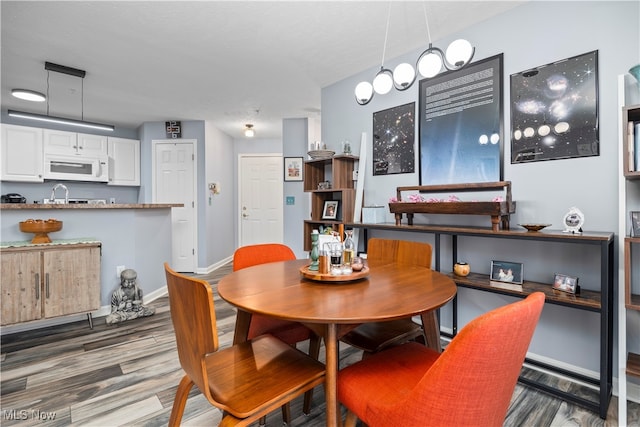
[(331, 309)]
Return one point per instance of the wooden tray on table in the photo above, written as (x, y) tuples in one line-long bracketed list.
[(328, 277)]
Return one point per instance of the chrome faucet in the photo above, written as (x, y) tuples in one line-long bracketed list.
[(53, 193)]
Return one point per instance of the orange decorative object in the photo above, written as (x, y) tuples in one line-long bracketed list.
[(461, 269), (41, 228)]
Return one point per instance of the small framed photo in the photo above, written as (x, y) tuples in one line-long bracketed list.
[(564, 283), (635, 223), (293, 168), (505, 271), (330, 210)]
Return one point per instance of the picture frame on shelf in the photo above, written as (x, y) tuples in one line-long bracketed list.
[(565, 283), (635, 223), (293, 168), (330, 210), (507, 275)]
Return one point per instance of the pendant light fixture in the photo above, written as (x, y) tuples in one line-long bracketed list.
[(430, 63), (61, 120), (249, 132)]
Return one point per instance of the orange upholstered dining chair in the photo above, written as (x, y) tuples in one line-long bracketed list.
[(469, 384), (287, 331), (246, 381), (376, 336)]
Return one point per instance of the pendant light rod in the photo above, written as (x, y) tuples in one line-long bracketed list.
[(386, 35)]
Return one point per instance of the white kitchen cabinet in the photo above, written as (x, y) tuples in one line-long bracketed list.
[(124, 161), (61, 142), (40, 282), (22, 155)]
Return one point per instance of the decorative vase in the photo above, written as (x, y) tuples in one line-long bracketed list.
[(314, 251), (635, 72), (461, 269)]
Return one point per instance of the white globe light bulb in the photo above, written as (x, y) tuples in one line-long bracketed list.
[(403, 75), (459, 53), (429, 65), (383, 82), (364, 92)]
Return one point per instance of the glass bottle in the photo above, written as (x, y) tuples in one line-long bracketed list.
[(349, 251), (314, 251)]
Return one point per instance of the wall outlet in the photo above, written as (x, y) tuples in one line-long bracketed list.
[(119, 270)]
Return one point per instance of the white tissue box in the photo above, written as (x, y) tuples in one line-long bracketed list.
[(372, 214)]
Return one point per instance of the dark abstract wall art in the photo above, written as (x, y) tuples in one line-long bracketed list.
[(554, 110), (394, 140), (461, 127)]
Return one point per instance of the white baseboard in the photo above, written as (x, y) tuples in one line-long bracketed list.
[(215, 266)]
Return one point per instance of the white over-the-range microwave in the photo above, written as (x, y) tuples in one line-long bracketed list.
[(76, 168)]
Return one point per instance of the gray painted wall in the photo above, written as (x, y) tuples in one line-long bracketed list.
[(529, 35)]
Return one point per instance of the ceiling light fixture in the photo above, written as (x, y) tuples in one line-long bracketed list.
[(249, 132), (28, 95), (62, 120), (430, 63)]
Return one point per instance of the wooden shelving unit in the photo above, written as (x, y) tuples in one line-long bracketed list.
[(339, 171)]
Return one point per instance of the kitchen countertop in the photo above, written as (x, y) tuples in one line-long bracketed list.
[(54, 242), (41, 206)]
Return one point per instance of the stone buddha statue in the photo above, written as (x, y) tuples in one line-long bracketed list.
[(126, 301)]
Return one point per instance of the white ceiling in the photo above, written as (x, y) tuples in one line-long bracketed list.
[(227, 62)]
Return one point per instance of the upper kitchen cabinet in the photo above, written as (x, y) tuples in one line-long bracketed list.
[(124, 161), (22, 154), (60, 142)]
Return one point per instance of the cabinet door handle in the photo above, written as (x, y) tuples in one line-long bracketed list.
[(37, 285), (46, 280)]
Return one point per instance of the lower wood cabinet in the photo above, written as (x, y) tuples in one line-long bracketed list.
[(40, 282)]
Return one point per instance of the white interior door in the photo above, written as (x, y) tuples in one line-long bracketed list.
[(174, 182), (261, 199)]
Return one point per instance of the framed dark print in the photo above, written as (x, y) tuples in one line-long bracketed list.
[(554, 110), (635, 223), (461, 126), (505, 271), (564, 283), (293, 168), (394, 140), (330, 210)]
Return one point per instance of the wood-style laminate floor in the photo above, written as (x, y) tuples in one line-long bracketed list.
[(127, 374)]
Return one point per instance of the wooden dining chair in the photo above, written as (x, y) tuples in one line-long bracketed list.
[(246, 381), (469, 384), (376, 336), (287, 331)]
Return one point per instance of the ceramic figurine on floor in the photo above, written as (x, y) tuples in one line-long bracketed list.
[(126, 301)]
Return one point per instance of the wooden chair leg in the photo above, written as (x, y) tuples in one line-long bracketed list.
[(351, 419), (314, 351), (286, 413), (180, 401)]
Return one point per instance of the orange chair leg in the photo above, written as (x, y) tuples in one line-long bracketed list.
[(314, 351), (180, 401)]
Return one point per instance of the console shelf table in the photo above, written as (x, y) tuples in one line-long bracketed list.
[(600, 302)]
